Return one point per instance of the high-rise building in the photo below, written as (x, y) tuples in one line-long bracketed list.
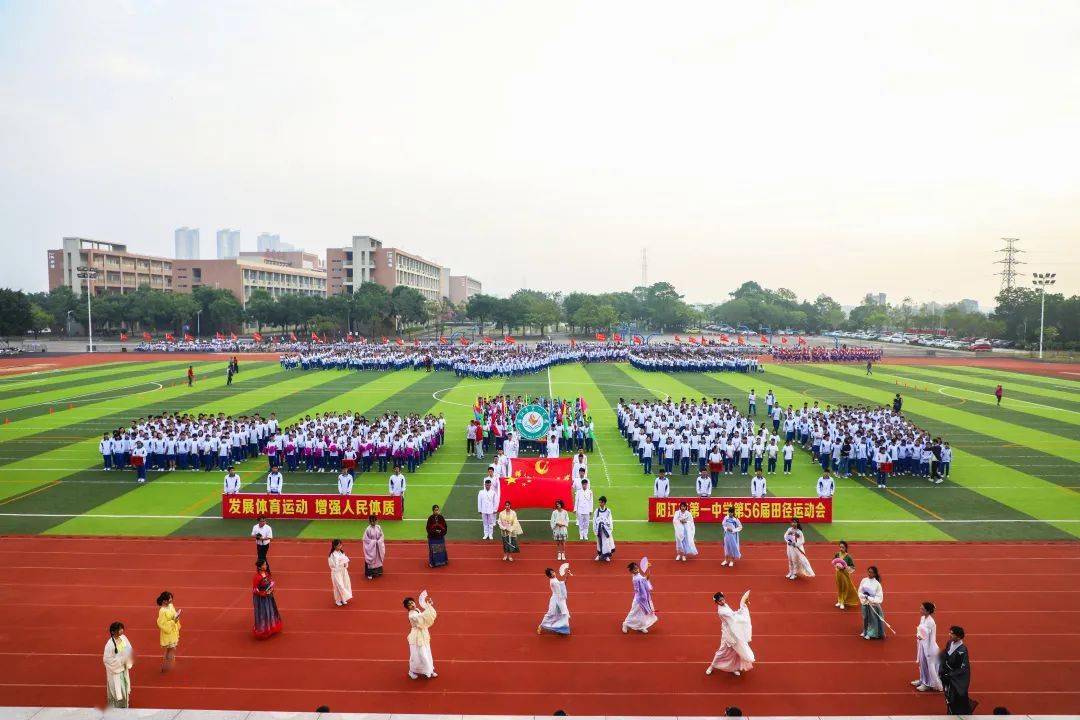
[(186, 243), (463, 287), (266, 241), (228, 243), (968, 305), (118, 271)]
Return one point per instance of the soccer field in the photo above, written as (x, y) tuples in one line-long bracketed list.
[(1014, 473)]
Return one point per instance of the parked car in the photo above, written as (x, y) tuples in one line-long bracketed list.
[(979, 345)]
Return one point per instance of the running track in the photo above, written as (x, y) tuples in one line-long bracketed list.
[(58, 595)]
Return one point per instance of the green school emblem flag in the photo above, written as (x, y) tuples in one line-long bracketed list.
[(532, 422)]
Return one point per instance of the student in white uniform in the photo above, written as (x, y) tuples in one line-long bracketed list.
[(397, 485), (583, 507), (826, 486), (604, 527), (487, 504), (703, 484), (274, 481), (758, 485), (344, 484), (232, 482), (662, 485)]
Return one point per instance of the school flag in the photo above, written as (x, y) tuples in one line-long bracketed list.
[(538, 483)]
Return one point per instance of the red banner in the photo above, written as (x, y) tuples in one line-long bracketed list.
[(747, 509), (311, 507), (538, 483)]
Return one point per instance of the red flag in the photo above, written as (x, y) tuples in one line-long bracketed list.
[(464, 340), (704, 340), (509, 340), (617, 337), (678, 339), (573, 342), (443, 340), (538, 483), (292, 336), (188, 337), (314, 337), (601, 337), (637, 340), (764, 340), (232, 336), (802, 340), (783, 341), (692, 340), (349, 337), (123, 337), (218, 335), (257, 337), (169, 337), (487, 340), (742, 340), (399, 341), (147, 337), (723, 337)]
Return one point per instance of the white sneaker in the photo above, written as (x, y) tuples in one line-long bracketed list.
[(412, 675), (737, 673), (723, 564), (645, 631), (678, 558), (840, 606), (916, 683), (708, 670), (596, 558), (607, 559)]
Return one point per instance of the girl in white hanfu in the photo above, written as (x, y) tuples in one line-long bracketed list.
[(603, 526), (683, 520), (557, 619), (421, 617), (736, 632), (119, 657), (797, 562), (642, 614), (340, 581), (927, 651)]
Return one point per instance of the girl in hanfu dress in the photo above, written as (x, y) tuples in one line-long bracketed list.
[(735, 655), (683, 521), (267, 617), (604, 526), (927, 652), (168, 622), (844, 565), (340, 582), (511, 528), (557, 619), (421, 617), (642, 614), (732, 527), (374, 549), (119, 658), (436, 534), (798, 563), (871, 596)]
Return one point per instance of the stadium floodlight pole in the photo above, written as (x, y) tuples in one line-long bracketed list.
[(1042, 281), (88, 273)]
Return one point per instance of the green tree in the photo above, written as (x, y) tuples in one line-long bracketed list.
[(481, 308), (15, 313), (408, 306), (262, 309), (40, 319), (371, 306)]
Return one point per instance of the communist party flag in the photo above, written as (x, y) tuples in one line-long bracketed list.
[(538, 483)]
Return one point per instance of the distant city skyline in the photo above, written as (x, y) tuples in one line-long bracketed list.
[(818, 146)]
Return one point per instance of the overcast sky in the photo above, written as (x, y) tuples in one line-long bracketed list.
[(842, 147)]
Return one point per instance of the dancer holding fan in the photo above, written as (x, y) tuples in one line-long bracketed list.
[(557, 619), (421, 617), (798, 563), (642, 614)]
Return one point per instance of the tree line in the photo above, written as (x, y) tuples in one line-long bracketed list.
[(373, 310)]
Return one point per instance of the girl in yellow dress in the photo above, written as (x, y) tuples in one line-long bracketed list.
[(511, 528), (168, 622), (844, 565)]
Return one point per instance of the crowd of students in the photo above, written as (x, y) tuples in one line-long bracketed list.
[(572, 427), (714, 437), (323, 442), (669, 357), (818, 354)]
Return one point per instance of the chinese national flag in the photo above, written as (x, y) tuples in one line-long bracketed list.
[(637, 340), (678, 339), (802, 340), (723, 337), (315, 337), (487, 341), (349, 337), (617, 337), (257, 337), (219, 336), (292, 336), (123, 337), (188, 337), (399, 341), (509, 340), (169, 337), (538, 483), (764, 340), (147, 337), (601, 337), (443, 340), (783, 341)]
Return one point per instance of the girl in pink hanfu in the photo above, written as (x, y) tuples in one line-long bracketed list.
[(374, 549), (642, 614), (735, 655)]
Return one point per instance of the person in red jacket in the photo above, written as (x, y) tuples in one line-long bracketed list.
[(998, 393)]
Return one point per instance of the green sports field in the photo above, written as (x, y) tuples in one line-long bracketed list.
[(1014, 472)]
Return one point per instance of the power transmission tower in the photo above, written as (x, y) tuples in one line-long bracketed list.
[(644, 268), (1010, 263)]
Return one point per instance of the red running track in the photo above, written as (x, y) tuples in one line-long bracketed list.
[(1017, 602)]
